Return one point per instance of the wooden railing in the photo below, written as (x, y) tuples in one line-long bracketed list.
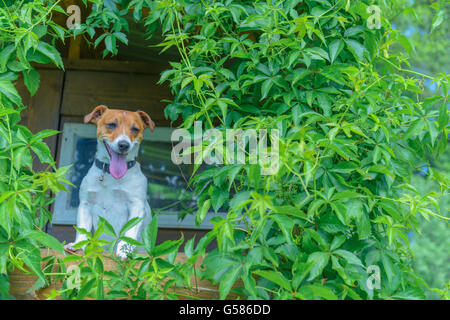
[(21, 283)]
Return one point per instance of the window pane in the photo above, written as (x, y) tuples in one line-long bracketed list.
[(167, 186), (83, 158)]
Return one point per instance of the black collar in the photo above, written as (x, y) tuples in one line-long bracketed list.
[(105, 166)]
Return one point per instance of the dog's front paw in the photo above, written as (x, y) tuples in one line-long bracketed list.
[(70, 247), (124, 249)]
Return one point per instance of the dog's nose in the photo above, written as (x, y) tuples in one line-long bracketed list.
[(123, 146)]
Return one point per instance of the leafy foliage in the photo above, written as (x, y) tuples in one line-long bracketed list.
[(353, 121), (28, 35), (430, 245), (138, 277), (428, 54), (25, 194), (354, 126)]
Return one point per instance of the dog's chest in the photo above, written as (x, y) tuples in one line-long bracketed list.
[(104, 197), (109, 200), (112, 194), (106, 193)]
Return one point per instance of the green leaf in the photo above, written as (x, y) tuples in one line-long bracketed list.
[(109, 229), (42, 151), (317, 237), (265, 88), (122, 37), (442, 145), (347, 194), (300, 270), (166, 247), (31, 255), (85, 289), (202, 211), (412, 293), (349, 257), (414, 129), (109, 43), (314, 207), (50, 52), (228, 281), (209, 29), (380, 169), (4, 287), (356, 48), (149, 235), (338, 240), (189, 247), (389, 266), (340, 270), (130, 224), (131, 241), (319, 261), (31, 41), (100, 289), (352, 31), (22, 158), (324, 103), (8, 89), (437, 20), (43, 134), (363, 226), (286, 225), (300, 74), (443, 116), (320, 291), (4, 112), (335, 47), (6, 195), (72, 258), (45, 239), (60, 32), (275, 277), (239, 199), (5, 53), (291, 210)]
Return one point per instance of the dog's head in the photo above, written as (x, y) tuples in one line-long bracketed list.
[(121, 131)]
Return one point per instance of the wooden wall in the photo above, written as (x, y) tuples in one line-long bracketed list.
[(66, 96), (43, 107)]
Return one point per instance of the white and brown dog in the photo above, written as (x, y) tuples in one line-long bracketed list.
[(115, 187)]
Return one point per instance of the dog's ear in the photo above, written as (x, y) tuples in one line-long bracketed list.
[(148, 122), (95, 115)]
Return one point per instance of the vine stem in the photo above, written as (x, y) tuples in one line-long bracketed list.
[(11, 150), (406, 70)]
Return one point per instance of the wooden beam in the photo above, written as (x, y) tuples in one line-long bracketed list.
[(154, 68), (84, 90), (75, 47), (74, 43)]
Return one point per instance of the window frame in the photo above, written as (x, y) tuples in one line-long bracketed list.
[(63, 214)]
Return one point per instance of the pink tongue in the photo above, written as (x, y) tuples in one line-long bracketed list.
[(118, 164)]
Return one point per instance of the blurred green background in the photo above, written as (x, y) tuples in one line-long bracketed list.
[(429, 55)]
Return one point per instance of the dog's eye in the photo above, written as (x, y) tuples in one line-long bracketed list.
[(134, 130), (111, 125)]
